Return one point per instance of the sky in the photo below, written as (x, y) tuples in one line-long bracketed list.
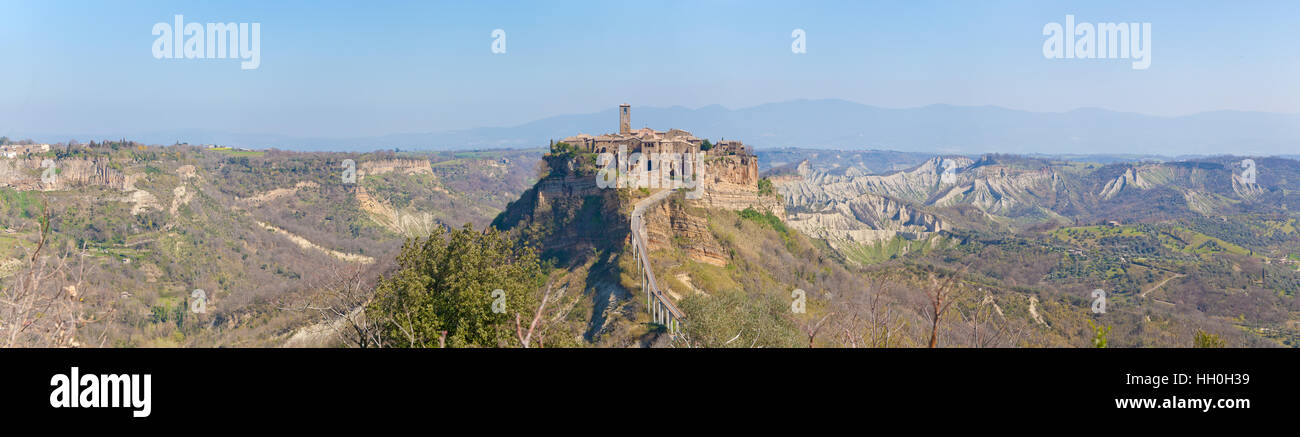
[(347, 69)]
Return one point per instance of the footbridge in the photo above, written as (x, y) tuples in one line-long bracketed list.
[(661, 307)]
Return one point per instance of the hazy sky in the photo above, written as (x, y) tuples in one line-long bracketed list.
[(334, 69)]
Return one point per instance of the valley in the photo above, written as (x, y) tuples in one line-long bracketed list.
[(1179, 247), (137, 228)]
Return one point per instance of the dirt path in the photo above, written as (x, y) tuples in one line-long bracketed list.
[(686, 279), (323, 334), (278, 193), (1033, 310), (306, 244), (1161, 284)]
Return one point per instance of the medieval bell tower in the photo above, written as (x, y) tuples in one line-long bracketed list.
[(625, 119)]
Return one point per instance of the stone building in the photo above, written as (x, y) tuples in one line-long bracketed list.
[(644, 140), (729, 147), (12, 151), (649, 141)]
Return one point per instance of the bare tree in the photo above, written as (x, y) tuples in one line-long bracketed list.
[(340, 307), (939, 296), (815, 328), (42, 307), (884, 327), (988, 327), (524, 339), (867, 320)]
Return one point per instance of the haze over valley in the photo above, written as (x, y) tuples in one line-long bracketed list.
[(833, 124)]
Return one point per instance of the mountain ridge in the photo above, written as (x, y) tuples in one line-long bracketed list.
[(846, 125)]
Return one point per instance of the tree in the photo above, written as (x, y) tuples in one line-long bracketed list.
[(446, 289), (563, 148), (765, 187), (1099, 334), (985, 329), (1207, 340), (939, 296), (340, 308), (43, 306), (739, 319), (866, 320), (706, 145)]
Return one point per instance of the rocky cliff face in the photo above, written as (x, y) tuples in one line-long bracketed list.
[(731, 169), (25, 174), (409, 223), (1018, 191), (916, 185), (865, 219), (855, 208), (731, 182), (851, 207), (1130, 179), (405, 166), (998, 189), (670, 224), (566, 214)]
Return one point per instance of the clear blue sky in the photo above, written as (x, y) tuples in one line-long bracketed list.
[(335, 69)]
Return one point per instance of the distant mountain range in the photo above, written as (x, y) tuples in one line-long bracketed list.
[(839, 124)]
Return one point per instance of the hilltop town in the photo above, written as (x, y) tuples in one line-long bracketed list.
[(647, 140), (728, 177), (12, 151)]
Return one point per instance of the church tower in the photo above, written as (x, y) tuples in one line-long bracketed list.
[(625, 119)]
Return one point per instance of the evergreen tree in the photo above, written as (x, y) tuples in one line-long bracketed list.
[(446, 283)]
